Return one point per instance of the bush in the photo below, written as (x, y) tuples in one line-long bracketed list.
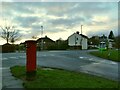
[(6, 48)]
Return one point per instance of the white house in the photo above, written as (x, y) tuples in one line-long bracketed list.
[(78, 40), (110, 43)]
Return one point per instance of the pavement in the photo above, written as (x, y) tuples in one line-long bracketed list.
[(9, 81), (79, 61)]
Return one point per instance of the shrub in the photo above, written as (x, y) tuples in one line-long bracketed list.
[(6, 48)]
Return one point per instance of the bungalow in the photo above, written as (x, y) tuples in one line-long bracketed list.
[(45, 43), (103, 42), (77, 40), (111, 43), (111, 40)]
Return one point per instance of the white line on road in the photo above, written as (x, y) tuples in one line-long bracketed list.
[(108, 62), (58, 51), (42, 55), (22, 56), (96, 63), (4, 58), (81, 57), (91, 59), (113, 63), (4, 67), (13, 57)]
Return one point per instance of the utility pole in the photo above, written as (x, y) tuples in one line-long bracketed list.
[(81, 36), (41, 31), (41, 37), (81, 29)]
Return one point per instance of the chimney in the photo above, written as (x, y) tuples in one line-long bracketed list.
[(77, 32)]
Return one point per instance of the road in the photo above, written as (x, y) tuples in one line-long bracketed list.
[(79, 61)]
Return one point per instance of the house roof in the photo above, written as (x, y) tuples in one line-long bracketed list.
[(6, 44), (80, 35), (46, 39), (84, 36), (103, 37)]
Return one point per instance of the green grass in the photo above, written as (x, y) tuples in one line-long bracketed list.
[(62, 79), (108, 54)]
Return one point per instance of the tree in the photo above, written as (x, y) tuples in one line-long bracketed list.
[(62, 44), (117, 42), (10, 34), (94, 40), (111, 35)]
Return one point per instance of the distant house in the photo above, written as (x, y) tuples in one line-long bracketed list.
[(77, 40), (45, 43), (111, 40), (103, 41), (111, 43), (93, 42)]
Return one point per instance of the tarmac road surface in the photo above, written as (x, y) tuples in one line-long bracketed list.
[(75, 60)]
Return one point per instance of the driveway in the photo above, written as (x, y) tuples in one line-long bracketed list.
[(76, 60)]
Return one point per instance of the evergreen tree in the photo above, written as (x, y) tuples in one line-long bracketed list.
[(111, 35)]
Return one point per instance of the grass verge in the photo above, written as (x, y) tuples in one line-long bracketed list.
[(108, 54), (56, 78)]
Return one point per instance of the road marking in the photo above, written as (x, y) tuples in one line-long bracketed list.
[(113, 63), (91, 59), (58, 51), (108, 62), (22, 56), (96, 63), (4, 58), (44, 55), (81, 57), (13, 57), (4, 67)]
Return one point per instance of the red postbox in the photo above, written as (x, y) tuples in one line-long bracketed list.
[(31, 57)]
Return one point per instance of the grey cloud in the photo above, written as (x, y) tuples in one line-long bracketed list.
[(86, 10), (23, 7), (95, 5), (19, 7), (75, 12), (90, 23), (67, 22), (27, 21), (54, 30), (36, 27), (63, 0), (90, 8)]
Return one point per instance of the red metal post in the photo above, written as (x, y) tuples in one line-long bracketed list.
[(31, 57)]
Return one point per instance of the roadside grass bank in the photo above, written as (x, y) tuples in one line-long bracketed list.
[(55, 78), (108, 54)]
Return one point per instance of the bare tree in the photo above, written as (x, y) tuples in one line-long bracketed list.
[(10, 34), (34, 37)]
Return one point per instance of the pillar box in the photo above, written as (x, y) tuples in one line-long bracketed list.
[(31, 57)]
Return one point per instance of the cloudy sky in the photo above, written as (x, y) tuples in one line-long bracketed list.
[(59, 19)]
